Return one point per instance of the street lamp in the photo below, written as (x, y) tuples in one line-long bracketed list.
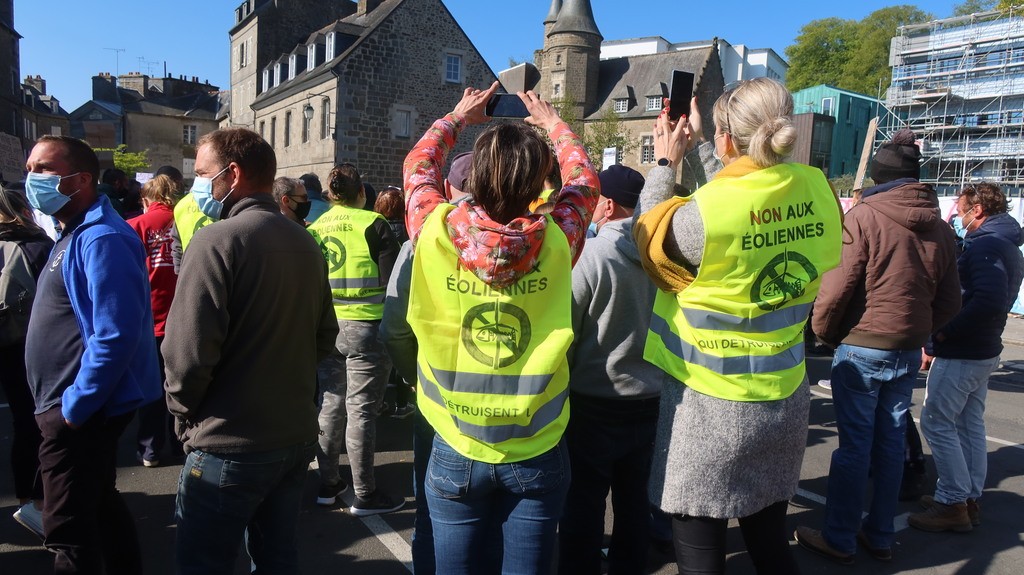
[(308, 111)]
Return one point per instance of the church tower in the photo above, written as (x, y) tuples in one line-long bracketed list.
[(571, 54)]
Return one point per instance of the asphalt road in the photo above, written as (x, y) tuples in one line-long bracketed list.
[(331, 540)]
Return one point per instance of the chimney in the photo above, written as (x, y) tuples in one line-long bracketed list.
[(36, 82), (367, 6), (136, 81), (104, 87)]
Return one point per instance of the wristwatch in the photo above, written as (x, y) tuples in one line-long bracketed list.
[(664, 162)]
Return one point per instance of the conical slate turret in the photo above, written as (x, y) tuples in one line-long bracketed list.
[(576, 16), (556, 6)]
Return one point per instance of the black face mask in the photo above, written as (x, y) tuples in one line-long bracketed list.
[(301, 209)]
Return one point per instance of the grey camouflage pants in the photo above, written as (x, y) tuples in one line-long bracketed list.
[(352, 382)]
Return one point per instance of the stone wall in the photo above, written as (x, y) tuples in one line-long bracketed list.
[(315, 155), (400, 68), (272, 32), (162, 137)]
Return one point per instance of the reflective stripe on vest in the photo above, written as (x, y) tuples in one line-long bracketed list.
[(736, 332), (188, 220), (495, 434), (356, 286), (491, 366)]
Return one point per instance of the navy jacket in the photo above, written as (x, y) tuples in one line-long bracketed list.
[(991, 268)]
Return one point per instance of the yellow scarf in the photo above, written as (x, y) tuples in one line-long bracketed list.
[(653, 227)]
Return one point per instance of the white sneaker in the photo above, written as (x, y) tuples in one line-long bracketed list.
[(31, 518), (825, 384)]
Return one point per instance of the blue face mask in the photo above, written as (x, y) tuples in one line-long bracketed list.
[(960, 228), (202, 193), (42, 192), (592, 230)]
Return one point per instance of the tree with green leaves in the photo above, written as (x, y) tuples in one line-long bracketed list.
[(868, 71), (973, 7), (847, 54), (128, 162), (821, 49), (607, 132)]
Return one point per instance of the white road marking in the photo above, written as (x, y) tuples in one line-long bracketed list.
[(380, 528), (918, 420)]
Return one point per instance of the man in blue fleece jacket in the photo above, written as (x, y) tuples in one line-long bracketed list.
[(91, 360)]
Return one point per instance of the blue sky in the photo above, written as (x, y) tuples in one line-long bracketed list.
[(66, 41)]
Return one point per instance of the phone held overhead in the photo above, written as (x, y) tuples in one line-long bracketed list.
[(680, 94)]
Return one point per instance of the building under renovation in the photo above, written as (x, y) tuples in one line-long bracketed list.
[(959, 84)]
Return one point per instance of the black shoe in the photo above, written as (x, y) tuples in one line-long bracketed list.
[(375, 504), (328, 494)]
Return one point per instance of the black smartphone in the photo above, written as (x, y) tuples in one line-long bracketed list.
[(680, 95), (506, 106)]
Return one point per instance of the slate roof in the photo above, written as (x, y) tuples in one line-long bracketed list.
[(351, 31), (637, 77), (200, 105)]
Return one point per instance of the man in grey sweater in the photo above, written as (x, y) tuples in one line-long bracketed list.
[(242, 344), (614, 392)]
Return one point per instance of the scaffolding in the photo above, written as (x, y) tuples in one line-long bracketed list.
[(959, 84)]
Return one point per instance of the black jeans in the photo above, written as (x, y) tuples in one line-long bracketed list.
[(700, 542), (611, 442), (26, 439), (86, 522)]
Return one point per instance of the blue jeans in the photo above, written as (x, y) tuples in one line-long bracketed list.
[(953, 422), (871, 390), (472, 502), (422, 532), (611, 443), (222, 497)]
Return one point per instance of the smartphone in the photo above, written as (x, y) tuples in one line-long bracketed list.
[(680, 95), (506, 106)]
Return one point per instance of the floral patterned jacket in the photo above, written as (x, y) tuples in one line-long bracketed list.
[(499, 254)]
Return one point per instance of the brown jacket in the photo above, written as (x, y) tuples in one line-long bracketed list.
[(897, 281)]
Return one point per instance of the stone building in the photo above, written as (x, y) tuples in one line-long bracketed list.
[(359, 89), (164, 116), (631, 86), (10, 80), (42, 113)]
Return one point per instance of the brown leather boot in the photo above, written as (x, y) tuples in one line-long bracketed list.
[(942, 517), (973, 509)]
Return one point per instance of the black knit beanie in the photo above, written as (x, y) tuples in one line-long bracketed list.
[(899, 158)]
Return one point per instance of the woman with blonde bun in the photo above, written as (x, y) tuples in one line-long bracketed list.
[(737, 265)]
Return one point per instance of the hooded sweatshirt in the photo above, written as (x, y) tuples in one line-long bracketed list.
[(991, 268), (897, 280), (499, 254), (612, 300)]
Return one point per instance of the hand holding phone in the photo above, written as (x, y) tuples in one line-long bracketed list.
[(680, 94), (506, 106)]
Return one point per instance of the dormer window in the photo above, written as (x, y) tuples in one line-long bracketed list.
[(266, 79), (654, 103), (330, 45), (277, 74), (311, 56), (293, 63), (621, 105)]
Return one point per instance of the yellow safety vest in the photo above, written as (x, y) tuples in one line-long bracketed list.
[(354, 277), (736, 332), (493, 375), (542, 199), (188, 220)]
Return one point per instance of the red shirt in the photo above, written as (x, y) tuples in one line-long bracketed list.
[(154, 229)]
